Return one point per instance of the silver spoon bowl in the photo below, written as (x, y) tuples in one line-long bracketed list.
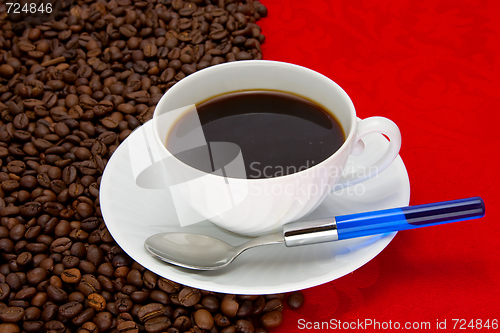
[(201, 252)]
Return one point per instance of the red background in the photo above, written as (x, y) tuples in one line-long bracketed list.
[(434, 68)]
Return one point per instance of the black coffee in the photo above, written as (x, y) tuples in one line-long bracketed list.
[(278, 133)]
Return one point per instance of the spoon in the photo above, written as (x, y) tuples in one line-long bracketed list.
[(201, 252)]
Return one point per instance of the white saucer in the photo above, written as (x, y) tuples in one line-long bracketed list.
[(133, 213)]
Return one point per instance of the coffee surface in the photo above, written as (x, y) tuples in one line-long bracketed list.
[(278, 133)]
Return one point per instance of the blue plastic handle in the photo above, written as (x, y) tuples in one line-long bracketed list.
[(411, 217)]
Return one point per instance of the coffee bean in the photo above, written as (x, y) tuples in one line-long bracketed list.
[(128, 30), (61, 244), (36, 275), (229, 306), (274, 304), (24, 258), (56, 294), (271, 319), (70, 309), (295, 300), (203, 319), (9, 328), (150, 311), (221, 320), (96, 301), (157, 325), (245, 310), (89, 285), (134, 277), (71, 275), (218, 34), (127, 327), (189, 296), (182, 323), (124, 304), (17, 232), (4, 291), (83, 317), (159, 296), (11, 314), (69, 174), (103, 321), (243, 56), (245, 326)]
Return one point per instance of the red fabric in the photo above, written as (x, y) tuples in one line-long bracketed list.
[(433, 67)]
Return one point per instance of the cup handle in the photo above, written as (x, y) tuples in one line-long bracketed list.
[(368, 126)]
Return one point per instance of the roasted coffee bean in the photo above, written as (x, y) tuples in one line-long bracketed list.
[(4, 291), (157, 324), (150, 311), (295, 300), (189, 296), (89, 285), (211, 303), (90, 224), (76, 296), (124, 304), (229, 306), (203, 319), (11, 314), (159, 296), (56, 294), (83, 317), (95, 255), (128, 326), (26, 293), (245, 310), (168, 286), (96, 301), (245, 326), (17, 232), (221, 320), (71, 275), (6, 245), (134, 277), (140, 296), (182, 323), (6, 71), (61, 244), (32, 313), (36, 275), (69, 174), (103, 321), (274, 304), (70, 309), (271, 319), (24, 258)]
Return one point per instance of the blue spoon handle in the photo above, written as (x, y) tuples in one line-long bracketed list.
[(382, 221), (411, 217)]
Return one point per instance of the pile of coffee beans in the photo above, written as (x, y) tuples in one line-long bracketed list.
[(71, 90)]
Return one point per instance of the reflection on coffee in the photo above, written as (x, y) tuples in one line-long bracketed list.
[(278, 133)]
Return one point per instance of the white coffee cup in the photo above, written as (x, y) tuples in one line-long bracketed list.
[(254, 207)]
